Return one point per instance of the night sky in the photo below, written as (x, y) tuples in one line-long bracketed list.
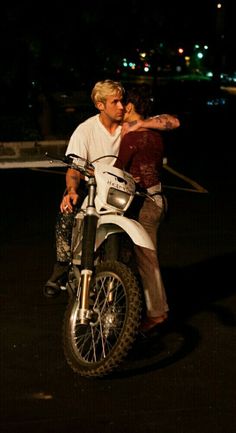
[(36, 36), (127, 22), (107, 19)]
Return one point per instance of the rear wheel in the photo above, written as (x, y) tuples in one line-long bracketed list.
[(99, 347)]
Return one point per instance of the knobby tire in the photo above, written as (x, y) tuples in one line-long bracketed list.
[(98, 348)]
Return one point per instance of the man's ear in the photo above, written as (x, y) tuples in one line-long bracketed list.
[(100, 106)]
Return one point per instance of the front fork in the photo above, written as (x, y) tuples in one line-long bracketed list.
[(87, 265)]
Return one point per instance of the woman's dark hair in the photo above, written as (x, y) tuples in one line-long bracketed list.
[(141, 97)]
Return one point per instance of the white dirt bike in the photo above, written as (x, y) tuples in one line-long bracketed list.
[(105, 306)]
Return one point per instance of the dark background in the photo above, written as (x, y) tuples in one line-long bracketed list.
[(83, 42), (180, 380)]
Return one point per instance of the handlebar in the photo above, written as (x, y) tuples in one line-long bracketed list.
[(87, 168), (78, 163), (75, 162)]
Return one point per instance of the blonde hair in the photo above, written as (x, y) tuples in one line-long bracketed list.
[(105, 88)]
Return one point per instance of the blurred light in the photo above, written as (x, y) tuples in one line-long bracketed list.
[(216, 102), (200, 55), (219, 5), (180, 50), (132, 65), (146, 67), (187, 60)]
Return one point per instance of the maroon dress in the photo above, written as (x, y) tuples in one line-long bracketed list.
[(141, 154)]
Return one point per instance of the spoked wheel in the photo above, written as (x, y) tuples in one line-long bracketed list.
[(99, 347)]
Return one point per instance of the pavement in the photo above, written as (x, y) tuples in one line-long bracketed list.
[(181, 378)]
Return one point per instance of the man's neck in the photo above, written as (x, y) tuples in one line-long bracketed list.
[(109, 124)]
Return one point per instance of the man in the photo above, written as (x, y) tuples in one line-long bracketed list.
[(99, 135)]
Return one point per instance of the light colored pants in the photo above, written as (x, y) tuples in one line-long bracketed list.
[(150, 217)]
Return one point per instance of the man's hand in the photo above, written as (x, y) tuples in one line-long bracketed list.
[(68, 202)]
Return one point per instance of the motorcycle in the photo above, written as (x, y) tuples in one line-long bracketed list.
[(106, 302)]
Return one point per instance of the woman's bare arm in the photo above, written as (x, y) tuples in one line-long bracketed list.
[(162, 122)]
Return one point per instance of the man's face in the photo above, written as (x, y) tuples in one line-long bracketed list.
[(113, 108)]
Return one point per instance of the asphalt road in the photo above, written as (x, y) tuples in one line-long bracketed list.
[(180, 380)]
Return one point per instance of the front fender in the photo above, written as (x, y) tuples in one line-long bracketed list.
[(110, 224)]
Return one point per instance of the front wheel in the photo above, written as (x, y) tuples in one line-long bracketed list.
[(99, 347)]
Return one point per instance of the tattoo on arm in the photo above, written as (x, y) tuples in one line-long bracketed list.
[(72, 183), (166, 121), (74, 178)]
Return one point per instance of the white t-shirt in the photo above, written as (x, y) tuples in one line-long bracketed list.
[(91, 140)]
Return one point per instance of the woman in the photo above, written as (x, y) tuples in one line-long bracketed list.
[(141, 154)]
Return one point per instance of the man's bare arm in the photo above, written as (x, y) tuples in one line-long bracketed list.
[(72, 180), (71, 196)]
